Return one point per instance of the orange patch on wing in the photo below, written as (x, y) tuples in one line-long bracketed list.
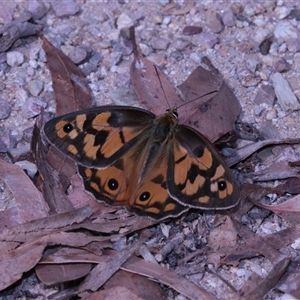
[(182, 164), (72, 150), (192, 188), (220, 171), (80, 119), (88, 172), (170, 207), (112, 143), (206, 160), (101, 120), (129, 133), (89, 149), (203, 200), (95, 186)]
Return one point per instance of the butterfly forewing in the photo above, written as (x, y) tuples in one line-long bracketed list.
[(99, 136)]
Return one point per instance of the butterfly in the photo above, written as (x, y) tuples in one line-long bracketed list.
[(128, 156)]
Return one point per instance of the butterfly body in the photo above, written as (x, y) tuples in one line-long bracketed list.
[(151, 164)]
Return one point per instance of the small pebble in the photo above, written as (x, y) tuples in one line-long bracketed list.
[(252, 64), (271, 114), (156, 18), (262, 34), (191, 30), (228, 18), (159, 43), (213, 21), (14, 58), (166, 20), (181, 43), (285, 96), (29, 167), (281, 12), (177, 55), (38, 9), (293, 45), (285, 31), (7, 11), (265, 94), (78, 55), (65, 8), (195, 57), (124, 21), (247, 78), (5, 109), (249, 10), (240, 272), (295, 14), (265, 46), (258, 110), (33, 63), (208, 39), (280, 65), (33, 106), (35, 87), (145, 49)]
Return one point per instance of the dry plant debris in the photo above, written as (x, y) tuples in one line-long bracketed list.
[(50, 228)]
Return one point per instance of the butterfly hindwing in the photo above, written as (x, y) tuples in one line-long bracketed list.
[(197, 174), (151, 196)]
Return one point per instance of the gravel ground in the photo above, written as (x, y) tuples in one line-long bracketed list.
[(247, 41)]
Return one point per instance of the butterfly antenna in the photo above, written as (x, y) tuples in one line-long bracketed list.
[(161, 86), (190, 101)]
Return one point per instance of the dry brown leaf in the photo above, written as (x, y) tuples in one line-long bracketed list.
[(248, 150), (151, 86), (104, 270), (291, 186), (156, 93), (233, 255), (22, 202), (256, 287), (50, 182), (69, 84), (126, 223), (47, 274), (71, 93), (116, 293), (214, 114), (19, 261), (85, 254), (14, 263), (257, 243), (137, 284), (290, 281), (162, 275), (37, 228), (283, 238), (288, 210), (220, 239)]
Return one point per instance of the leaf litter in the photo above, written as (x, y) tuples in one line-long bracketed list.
[(88, 236)]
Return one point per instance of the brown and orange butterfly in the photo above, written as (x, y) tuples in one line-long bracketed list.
[(150, 164)]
